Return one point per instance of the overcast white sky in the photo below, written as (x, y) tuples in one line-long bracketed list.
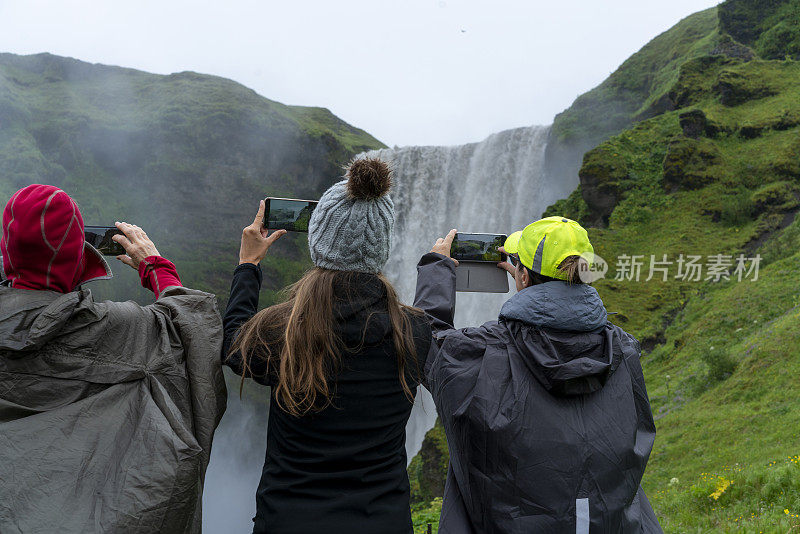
[(409, 72)]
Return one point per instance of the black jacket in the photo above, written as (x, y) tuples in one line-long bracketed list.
[(545, 410), (343, 469)]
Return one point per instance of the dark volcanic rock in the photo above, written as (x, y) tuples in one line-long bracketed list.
[(751, 131), (695, 124), (787, 121), (733, 88), (730, 48), (692, 84), (686, 165), (777, 197), (714, 214), (600, 178), (659, 107)]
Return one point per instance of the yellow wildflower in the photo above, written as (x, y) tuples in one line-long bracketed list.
[(722, 484)]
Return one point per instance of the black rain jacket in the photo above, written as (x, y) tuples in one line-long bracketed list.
[(341, 470), (545, 410)]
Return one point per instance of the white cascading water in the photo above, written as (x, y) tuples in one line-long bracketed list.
[(495, 186)]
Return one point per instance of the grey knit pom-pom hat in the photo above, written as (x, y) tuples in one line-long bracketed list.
[(351, 227)]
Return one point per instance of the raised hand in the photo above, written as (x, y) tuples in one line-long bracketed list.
[(443, 245), (136, 244), (506, 265), (256, 239)]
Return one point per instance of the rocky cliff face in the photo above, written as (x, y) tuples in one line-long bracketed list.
[(771, 28)]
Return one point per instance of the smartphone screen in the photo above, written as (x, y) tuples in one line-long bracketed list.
[(288, 214), (100, 238), (478, 247)]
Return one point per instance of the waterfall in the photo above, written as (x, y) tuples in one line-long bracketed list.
[(237, 457), (496, 186)]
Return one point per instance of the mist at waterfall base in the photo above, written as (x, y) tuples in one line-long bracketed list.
[(495, 186), (237, 457)]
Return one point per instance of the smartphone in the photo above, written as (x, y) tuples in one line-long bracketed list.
[(100, 238), (288, 214), (478, 247)]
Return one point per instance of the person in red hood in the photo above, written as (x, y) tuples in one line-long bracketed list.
[(107, 409), (43, 247)]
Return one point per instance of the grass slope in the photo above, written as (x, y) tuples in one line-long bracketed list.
[(721, 374), (771, 28), (720, 356)]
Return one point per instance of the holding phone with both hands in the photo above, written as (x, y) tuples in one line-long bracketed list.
[(288, 214), (478, 256)]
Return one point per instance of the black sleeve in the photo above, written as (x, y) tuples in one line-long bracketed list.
[(436, 290), (242, 305), (436, 296)]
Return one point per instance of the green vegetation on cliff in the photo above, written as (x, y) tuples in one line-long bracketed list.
[(716, 172), (636, 90), (638, 87), (427, 481), (186, 156), (719, 175), (772, 28)]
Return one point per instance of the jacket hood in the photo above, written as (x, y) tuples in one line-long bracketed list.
[(30, 319), (360, 310), (42, 242), (563, 334), (559, 305)]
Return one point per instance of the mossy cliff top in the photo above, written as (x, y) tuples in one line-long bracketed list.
[(636, 90)]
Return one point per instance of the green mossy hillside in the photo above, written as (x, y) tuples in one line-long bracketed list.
[(637, 89), (713, 181), (186, 156), (750, 143), (426, 475), (640, 82), (772, 28), (721, 356), (426, 468), (642, 86)]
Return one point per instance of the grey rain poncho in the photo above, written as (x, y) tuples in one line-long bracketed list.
[(107, 411), (545, 410)]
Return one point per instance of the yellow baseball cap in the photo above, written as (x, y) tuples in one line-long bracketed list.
[(543, 245)]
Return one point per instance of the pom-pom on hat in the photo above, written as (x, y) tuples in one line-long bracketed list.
[(351, 227)]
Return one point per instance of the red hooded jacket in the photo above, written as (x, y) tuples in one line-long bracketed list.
[(43, 247)]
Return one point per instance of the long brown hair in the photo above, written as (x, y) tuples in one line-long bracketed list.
[(310, 348)]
